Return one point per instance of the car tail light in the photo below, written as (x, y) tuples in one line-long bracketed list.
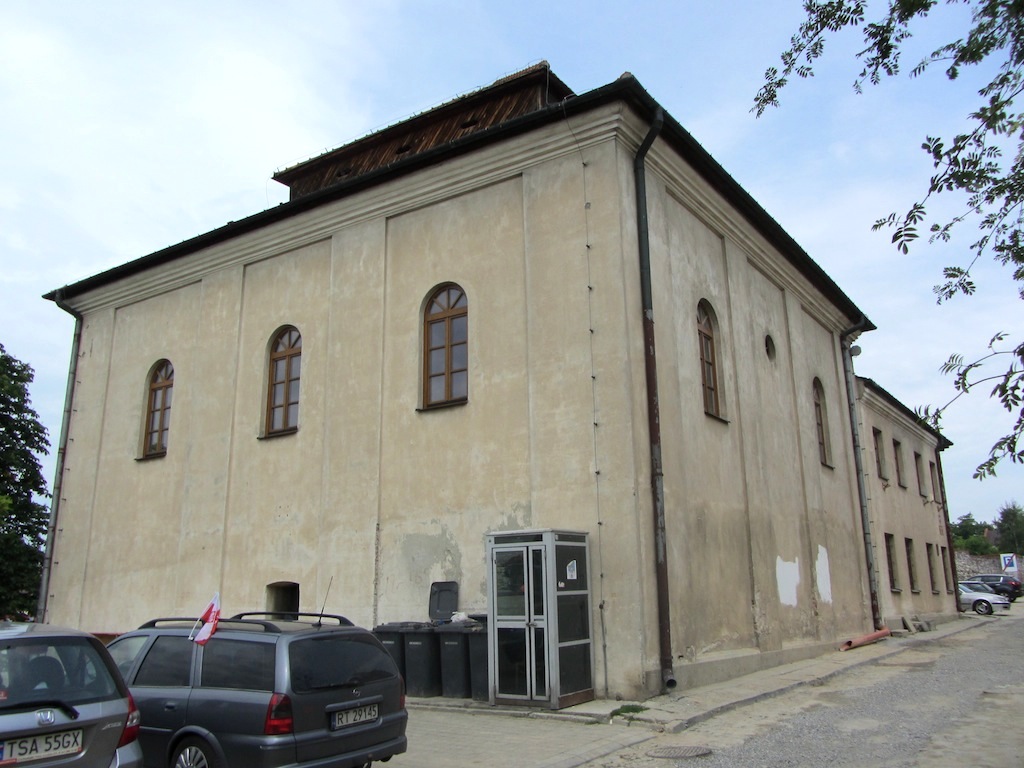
[(131, 725), (279, 716)]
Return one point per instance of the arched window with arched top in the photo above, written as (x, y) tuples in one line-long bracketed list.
[(158, 409), (446, 347), (821, 423), (283, 385), (707, 327)]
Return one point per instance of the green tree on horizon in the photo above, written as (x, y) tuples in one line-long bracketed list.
[(23, 518)]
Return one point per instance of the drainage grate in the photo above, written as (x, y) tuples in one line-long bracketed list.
[(678, 752)]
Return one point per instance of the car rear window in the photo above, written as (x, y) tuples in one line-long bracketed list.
[(67, 669), (337, 661), (238, 664)]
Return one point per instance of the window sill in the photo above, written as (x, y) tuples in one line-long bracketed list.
[(281, 433), (717, 418), (442, 406), (895, 590), (151, 456)]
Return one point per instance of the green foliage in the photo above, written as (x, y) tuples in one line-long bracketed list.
[(23, 518), (972, 164), (1010, 528), (969, 536)]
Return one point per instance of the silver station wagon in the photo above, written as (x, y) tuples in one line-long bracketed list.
[(62, 701), (265, 691)]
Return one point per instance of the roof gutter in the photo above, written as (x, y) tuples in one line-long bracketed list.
[(668, 677), (62, 447), (845, 341)]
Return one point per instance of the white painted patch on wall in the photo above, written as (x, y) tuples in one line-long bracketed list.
[(824, 576), (787, 577)]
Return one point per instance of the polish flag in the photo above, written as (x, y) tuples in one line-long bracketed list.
[(209, 618)]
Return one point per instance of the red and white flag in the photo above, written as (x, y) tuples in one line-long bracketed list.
[(210, 617)]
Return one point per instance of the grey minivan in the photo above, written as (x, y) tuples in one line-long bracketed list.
[(302, 691), (62, 701)]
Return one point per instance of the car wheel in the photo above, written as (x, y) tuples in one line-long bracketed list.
[(195, 753), (982, 606)]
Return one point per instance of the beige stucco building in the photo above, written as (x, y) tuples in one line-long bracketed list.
[(468, 294), (909, 519)]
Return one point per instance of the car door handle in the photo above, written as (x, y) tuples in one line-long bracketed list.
[(170, 705)]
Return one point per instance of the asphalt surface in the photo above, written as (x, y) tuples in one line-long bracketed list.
[(922, 699)]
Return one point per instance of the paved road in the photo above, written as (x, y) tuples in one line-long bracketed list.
[(953, 703)]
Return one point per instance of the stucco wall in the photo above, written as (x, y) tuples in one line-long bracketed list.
[(378, 497)]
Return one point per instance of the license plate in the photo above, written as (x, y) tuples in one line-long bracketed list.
[(355, 716), (14, 751)]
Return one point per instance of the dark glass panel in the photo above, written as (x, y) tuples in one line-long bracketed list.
[(540, 675), (437, 333), (459, 326), (460, 385), (436, 389), (296, 365), (511, 661), (574, 669), (278, 395), (573, 618), (293, 415), (437, 359), (459, 356)]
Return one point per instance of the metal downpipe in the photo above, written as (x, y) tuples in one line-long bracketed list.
[(862, 494), (668, 677), (62, 446)]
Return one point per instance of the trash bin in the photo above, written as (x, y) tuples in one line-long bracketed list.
[(454, 645), (479, 649), (422, 660), (392, 637)]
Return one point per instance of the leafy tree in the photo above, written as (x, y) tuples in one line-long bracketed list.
[(984, 164), (969, 536), (23, 517), (1010, 528)]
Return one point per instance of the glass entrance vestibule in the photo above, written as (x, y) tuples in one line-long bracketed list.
[(539, 618)]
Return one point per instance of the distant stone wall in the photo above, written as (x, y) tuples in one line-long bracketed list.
[(968, 565)]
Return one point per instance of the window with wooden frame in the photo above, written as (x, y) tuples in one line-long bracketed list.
[(890, 559), (446, 347), (880, 466), (158, 409), (709, 369), (897, 460), (911, 564), (821, 424), (283, 386)]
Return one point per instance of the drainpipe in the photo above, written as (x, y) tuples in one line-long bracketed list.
[(862, 494), (62, 447), (668, 677)]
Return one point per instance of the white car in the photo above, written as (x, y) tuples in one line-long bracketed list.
[(984, 603)]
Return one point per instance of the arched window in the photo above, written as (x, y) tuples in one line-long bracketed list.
[(708, 359), (821, 424), (446, 347), (158, 409), (283, 389)]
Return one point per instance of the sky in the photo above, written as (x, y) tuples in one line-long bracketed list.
[(126, 127)]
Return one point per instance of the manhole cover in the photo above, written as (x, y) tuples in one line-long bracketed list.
[(678, 752)]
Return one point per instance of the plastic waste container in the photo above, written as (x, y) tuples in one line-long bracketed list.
[(479, 649), (454, 647), (392, 637), (422, 660)]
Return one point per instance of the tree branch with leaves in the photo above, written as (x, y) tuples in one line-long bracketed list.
[(984, 164)]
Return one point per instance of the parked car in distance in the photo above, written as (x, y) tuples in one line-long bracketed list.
[(984, 603), (978, 586), (268, 690), (62, 701), (1005, 585)]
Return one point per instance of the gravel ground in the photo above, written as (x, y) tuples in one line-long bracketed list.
[(954, 702)]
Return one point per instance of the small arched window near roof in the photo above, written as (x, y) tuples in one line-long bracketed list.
[(709, 368), (821, 424), (158, 409), (283, 386), (446, 347)]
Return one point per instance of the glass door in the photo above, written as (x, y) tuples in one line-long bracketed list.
[(520, 610)]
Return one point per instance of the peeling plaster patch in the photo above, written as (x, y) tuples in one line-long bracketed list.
[(824, 575), (432, 556), (787, 578)]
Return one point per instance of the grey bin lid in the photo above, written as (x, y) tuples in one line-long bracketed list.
[(444, 600)]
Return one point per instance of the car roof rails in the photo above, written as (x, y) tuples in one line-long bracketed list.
[(266, 626), (294, 616)]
